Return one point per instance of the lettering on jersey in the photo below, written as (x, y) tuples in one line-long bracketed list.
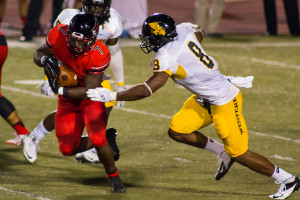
[(64, 32), (236, 111), (156, 29), (156, 64), (202, 57), (99, 49)]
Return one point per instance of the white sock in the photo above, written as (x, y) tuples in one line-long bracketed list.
[(283, 176), (214, 146), (39, 132)]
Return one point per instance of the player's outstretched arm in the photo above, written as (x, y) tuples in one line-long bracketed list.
[(156, 81)]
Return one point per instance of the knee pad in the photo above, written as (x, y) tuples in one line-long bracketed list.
[(6, 107)]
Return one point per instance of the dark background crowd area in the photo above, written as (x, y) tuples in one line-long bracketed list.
[(239, 16)]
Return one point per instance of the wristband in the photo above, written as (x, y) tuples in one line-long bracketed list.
[(61, 91), (43, 60), (113, 96)]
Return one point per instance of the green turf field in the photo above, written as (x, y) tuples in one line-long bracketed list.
[(152, 165)]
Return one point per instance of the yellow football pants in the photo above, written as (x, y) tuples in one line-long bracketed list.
[(228, 121)]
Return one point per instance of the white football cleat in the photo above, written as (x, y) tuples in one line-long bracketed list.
[(30, 148), (16, 141), (225, 164), (88, 156), (286, 189)]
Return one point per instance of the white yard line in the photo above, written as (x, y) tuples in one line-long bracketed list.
[(254, 44), (258, 60), (147, 113), (24, 194)]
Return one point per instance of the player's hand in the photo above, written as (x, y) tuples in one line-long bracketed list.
[(120, 104), (46, 89), (101, 94), (52, 71)]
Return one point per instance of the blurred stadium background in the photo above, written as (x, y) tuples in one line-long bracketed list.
[(239, 16)]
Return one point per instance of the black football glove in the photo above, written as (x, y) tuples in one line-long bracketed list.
[(52, 72)]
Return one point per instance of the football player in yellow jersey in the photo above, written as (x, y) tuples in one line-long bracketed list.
[(180, 56)]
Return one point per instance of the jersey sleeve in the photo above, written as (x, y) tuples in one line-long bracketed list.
[(161, 63), (99, 60), (53, 35), (50, 37), (65, 16), (115, 24)]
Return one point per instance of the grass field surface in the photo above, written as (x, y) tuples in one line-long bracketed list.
[(153, 166)]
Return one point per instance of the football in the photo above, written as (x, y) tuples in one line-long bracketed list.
[(67, 77)]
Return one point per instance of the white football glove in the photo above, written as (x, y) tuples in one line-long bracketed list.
[(46, 89), (101, 94), (120, 104)]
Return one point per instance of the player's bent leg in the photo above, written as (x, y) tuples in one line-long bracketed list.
[(92, 156), (199, 140), (9, 113), (195, 138), (256, 162), (193, 116)]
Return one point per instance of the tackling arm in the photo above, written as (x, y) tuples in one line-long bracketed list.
[(156, 81)]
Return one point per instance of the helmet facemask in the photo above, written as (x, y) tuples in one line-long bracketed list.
[(79, 44)]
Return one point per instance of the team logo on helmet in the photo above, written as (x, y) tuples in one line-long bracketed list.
[(156, 29)]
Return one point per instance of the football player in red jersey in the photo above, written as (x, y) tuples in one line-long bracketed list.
[(7, 109), (110, 28), (76, 46)]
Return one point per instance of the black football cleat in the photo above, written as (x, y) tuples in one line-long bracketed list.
[(225, 164), (111, 135), (116, 185)]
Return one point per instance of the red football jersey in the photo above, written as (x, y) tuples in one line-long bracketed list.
[(94, 61)]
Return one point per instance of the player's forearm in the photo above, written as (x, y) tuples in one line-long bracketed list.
[(37, 58), (41, 51), (73, 93), (134, 93)]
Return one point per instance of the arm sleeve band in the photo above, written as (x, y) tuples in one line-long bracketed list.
[(148, 87)]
